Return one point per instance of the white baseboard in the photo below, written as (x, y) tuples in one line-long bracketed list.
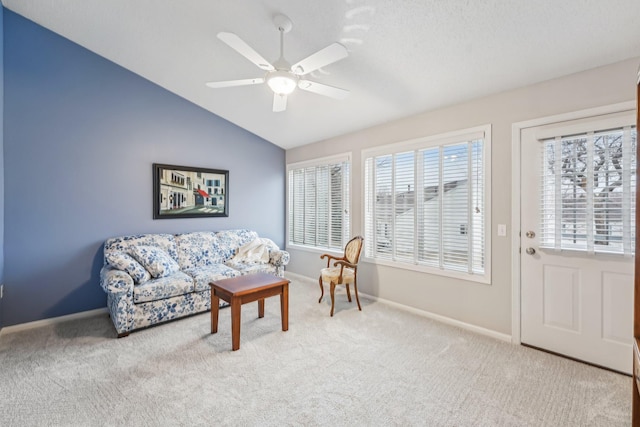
[(437, 317), (44, 322), (444, 319)]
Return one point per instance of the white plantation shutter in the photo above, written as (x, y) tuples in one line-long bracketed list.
[(478, 205), (429, 224), (588, 184), (296, 205), (338, 197), (309, 218), (403, 206), (318, 203), (323, 207), (425, 202)]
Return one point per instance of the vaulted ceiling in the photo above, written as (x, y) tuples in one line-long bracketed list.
[(405, 56)]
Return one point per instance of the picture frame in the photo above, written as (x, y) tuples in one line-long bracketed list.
[(189, 192)]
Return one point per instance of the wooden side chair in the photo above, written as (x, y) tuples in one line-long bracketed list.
[(343, 272)]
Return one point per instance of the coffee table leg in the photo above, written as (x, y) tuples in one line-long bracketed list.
[(261, 308), (284, 307), (215, 309), (235, 323)]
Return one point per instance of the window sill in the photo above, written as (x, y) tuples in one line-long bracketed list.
[(484, 279), (315, 250)]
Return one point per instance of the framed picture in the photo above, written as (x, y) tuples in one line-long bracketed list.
[(189, 192)]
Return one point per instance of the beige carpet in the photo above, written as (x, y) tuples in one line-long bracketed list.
[(381, 366)]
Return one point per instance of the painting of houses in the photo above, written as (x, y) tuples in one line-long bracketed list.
[(186, 192)]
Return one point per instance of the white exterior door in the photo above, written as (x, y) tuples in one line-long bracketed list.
[(577, 232)]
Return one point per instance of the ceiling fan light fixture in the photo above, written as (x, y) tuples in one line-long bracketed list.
[(282, 82)]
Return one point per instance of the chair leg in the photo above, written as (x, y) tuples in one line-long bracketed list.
[(355, 288), (348, 292), (321, 290), (333, 300)]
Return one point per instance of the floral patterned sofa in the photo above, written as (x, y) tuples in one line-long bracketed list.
[(153, 278)]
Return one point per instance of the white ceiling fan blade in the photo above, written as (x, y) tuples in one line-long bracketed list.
[(231, 83), (330, 54), (322, 89), (279, 103), (245, 50)]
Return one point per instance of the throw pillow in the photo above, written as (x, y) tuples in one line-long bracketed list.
[(155, 260), (125, 262)]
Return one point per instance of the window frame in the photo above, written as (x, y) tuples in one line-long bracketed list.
[(316, 162), (432, 141)]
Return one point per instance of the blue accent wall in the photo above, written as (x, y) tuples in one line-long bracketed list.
[(80, 137)]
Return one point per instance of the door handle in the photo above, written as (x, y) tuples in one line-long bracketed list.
[(530, 251)]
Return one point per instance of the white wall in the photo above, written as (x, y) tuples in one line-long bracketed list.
[(488, 306)]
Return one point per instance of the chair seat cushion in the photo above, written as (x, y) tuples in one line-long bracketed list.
[(332, 274)]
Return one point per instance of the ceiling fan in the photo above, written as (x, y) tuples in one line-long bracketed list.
[(280, 76)]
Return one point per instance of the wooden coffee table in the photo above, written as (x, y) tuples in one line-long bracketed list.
[(244, 289)]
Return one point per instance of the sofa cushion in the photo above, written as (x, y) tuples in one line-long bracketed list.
[(199, 249), (164, 287), (155, 260), (202, 276), (231, 240), (125, 262), (166, 242)]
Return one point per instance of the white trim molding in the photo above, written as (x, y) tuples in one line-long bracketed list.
[(51, 321), (444, 319)]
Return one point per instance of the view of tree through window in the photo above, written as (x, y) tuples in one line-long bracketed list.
[(588, 191)]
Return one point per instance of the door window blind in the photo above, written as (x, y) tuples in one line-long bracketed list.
[(588, 190)]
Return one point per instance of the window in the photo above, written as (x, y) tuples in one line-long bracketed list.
[(319, 203), (427, 202), (588, 191)]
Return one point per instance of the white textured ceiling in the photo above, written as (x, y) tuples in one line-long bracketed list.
[(405, 56)]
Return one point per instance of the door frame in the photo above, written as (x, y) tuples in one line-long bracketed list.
[(516, 182)]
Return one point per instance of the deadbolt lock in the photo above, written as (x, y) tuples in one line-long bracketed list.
[(530, 234)]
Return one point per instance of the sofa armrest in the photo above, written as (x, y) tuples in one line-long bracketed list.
[(115, 281), (279, 257)]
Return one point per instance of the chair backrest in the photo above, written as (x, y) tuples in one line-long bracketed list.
[(352, 249)]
